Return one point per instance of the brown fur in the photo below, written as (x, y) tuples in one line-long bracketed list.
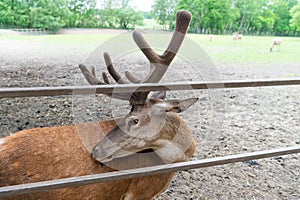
[(276, 42), (52, 153), (236, 36)]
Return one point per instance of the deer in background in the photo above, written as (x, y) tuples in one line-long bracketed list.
[(151, 133), (276, 42), (236, 36), (211, 36)]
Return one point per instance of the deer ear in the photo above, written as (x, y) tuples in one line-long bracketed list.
[(172, 106), (180, 106), (161, 95)]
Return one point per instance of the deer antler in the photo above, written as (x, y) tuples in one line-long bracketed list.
[(90, 76), (158, 63)]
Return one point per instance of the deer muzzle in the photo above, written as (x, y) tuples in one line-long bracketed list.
[(104, 151), (112, 146)]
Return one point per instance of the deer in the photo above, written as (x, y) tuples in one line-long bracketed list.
[(152, 133), (276, 42), (236, 36), (211, 36)]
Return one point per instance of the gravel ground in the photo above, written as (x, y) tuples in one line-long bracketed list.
[(224, 122)]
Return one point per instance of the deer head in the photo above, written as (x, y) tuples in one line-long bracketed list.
[(152, 123), (155, 126)]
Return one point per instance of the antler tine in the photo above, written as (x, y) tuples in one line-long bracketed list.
[(131, 77), (145, 47), (90, 76), (105, 78), (112, 70), (160, 63), (183, 19), (93, 71)]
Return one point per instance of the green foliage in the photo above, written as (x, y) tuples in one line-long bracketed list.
[(46, 14), (243, 16), (164, 12), (118, 14), (80, 13), (265, 21), (6, 13), (216, 14), (146, 15), (282, 18), (295, 19), (276, 17), (209, 16), (55, 14), (127, 16)]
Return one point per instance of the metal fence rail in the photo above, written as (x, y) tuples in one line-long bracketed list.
[(70, 90), (140, 172)]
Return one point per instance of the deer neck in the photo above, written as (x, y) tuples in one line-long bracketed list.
[(177, 143), (93, 132)]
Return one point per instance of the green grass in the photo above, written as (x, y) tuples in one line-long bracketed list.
[(252, 49), (149, 24), (60, 39), (70, 39)]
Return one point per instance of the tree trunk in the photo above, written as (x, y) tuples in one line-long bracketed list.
[(242, 22)]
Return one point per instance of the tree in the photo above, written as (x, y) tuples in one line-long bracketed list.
[(163, 12), (266, 21), (146, 14), (119, 14), (209, 16), (127, 16), (282, 9), (295, 20), (6, 12), (249, 11), (280, 17), (216, 15), (195, 7), (81, 12), (33, 14), (47, 14), (107, 13), (21, 14)]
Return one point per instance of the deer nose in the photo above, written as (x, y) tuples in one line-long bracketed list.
[(100, 155), (93, 153)]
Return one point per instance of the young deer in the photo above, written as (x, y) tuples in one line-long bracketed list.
[(152, 133), (276, 42)]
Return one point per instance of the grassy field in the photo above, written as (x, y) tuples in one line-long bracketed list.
[(222, 49), (60, 39), (149, 24), (252, 49)]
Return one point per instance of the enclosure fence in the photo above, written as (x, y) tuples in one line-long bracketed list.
[(70, 90), (32, 31), (140, 172)]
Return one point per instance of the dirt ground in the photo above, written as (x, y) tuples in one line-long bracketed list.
[(224, 121)]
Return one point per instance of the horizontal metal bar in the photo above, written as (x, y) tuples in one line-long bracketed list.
[(140, 172), (105, 89)]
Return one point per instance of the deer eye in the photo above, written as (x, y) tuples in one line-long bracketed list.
[(133, 122)]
